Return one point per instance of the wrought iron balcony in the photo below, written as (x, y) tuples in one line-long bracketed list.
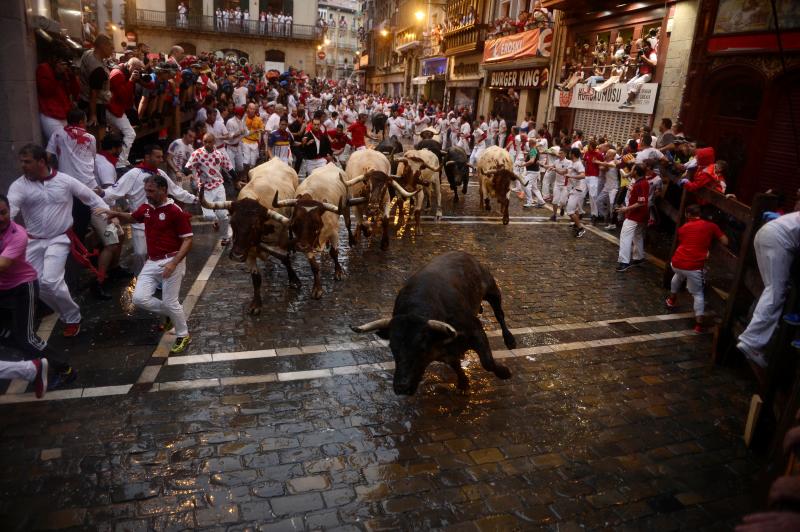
[(465, 39), (146, 18)]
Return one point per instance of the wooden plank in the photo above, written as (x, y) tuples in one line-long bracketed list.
[(752, 417), (677, 217), (730, 206)]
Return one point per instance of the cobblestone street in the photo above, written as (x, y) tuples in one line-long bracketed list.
[(613, 418)]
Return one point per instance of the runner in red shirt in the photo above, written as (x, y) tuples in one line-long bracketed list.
[(694, 240), (636, 217), (358, 133), (169, 239)]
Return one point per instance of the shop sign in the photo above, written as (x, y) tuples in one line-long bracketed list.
[(526, 78), (580, 97), (532, 43)]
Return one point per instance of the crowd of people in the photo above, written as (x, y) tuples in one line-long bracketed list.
[(81, 187)]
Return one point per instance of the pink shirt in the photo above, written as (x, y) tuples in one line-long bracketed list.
[(13, 243)]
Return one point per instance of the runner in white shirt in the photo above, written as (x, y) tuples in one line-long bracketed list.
[(217, 128), (491, 140), (207, 164), (502, 130), (274, 119), (479, 145), (240, 93), (233, 144), (177, 155), (396, 125), (75, 149), (131, 188), (557, 171), (44, 199), (577, 190), (464, 132), (105, 162)]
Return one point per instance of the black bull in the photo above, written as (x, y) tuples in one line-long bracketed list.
[(435, 318), (456, 168)]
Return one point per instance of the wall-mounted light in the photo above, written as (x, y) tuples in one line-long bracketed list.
[(420, 15)]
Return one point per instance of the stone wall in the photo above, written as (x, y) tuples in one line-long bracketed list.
[(677, 61), (19, 111)]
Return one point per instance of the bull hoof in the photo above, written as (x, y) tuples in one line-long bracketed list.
[(505, 220), (316, 293), (455, 197), (487, 205), (351, 240), (438, 215), (255, 310), (502, 372), (339, 274), (509, 340)]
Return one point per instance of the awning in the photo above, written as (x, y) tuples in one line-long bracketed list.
[(420, 80), (454, 83)]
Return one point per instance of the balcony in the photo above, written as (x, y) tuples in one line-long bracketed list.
[(145, 18), (407, 41), (464, 40)]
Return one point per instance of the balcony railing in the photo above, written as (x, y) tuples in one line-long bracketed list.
[(194, 22), (467, 39)]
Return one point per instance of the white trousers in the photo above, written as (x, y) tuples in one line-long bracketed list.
[(221, 215), (122, 124), (477, 151), (313, 164), (50, 126), (139, 248), (48, 257), (148, 282), (575, 200), (593, 186), (695, 284), (560, 192), (235, 155), (532, 188), (249, 153), (774, 258), (610, 189), (632, 233), (17, 369), (548, 182)]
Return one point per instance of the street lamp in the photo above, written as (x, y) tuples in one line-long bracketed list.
[(420, 15), (327, 41), (384, 33)]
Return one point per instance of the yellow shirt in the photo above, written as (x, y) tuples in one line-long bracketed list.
[(253, 124)]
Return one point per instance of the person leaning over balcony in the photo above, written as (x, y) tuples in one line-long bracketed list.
[(56, 88), (94, 90)]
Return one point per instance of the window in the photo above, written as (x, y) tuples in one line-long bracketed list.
[(276, 56), (504, 9)]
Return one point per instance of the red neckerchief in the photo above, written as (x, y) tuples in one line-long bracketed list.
[(78, 134), (53, 173), (110, 157), (152, 170)]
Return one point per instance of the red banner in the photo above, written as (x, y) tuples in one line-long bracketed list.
[(531, 43)]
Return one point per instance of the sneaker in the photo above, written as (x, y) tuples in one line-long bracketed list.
[(224, 242), (540, 205), (752, 355), (636, 262), (580, 232), (610, 227), (40, 381), (553, 218), (527, 205), (71, 330), (792, 319), (180, 345), (562, 211), (62, 379), (699, 329), (671, 303), (623, 266)]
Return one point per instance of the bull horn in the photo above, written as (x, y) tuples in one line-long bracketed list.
[(448, 163), (443, 152), (354, 181), (278, 217), (431, 168), (214, 205), (275, 252), (443, 327), (372, 326), (471, 166), (283, 203), (400, 160), (330, 207), (400, 190), (356, 201)]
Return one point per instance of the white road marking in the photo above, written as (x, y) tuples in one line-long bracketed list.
[(330, 348), (104, 391)]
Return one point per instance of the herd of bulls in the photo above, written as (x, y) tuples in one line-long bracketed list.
[(275, 215)]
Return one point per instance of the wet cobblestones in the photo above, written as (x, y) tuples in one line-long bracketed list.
[(625, 436)]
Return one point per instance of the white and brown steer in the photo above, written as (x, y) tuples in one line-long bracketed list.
[(495, 173)]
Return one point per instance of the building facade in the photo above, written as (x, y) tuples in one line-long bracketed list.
[(343, 23), (463, 37)]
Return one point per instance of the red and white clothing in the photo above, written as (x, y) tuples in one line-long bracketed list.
[(207, 168), (105, 169), (54, 94), (122, 99), (688, 262), (632, 232), (464, 132), (165, 228), (233, 145), (131, 187), (75, 149), (358, 135), (180, 152), (590, 159), (46, 207), (644, 75), (478, 147)]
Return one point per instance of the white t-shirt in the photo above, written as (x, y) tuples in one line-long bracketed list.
[(75, 149), (577, 144), (396, 126), (105, 173), (576, 168), (180, 152), (240, 96), (647, 154)]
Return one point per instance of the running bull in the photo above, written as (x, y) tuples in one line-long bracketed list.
[(435, 318), (369, 182), (258, 231), (495, 173), (456, 168), (314, 221), (420, 168)]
